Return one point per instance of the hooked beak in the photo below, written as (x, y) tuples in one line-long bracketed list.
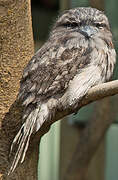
[(88, 31)]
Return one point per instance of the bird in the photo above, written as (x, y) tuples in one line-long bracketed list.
[(78, 55)]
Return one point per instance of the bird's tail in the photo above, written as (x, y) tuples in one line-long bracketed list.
[(22, 138)]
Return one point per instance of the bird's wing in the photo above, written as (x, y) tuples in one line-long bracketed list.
[(49, 73)]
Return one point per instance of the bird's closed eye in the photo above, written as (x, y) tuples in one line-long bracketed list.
[(72, 25), (100, 25)]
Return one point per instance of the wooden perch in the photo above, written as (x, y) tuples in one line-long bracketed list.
[(95, 93)]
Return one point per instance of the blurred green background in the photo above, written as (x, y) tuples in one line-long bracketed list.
[(58, 145)]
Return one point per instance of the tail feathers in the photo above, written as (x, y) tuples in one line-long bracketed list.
[(22, 138)]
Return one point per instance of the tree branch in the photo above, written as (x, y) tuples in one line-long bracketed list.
[(95, 93)]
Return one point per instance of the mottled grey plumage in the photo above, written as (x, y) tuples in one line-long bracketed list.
[(78, 55)]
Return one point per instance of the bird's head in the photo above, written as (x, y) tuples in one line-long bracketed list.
[(82, 22)]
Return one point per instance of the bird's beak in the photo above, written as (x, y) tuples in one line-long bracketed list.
[(88, 31)]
